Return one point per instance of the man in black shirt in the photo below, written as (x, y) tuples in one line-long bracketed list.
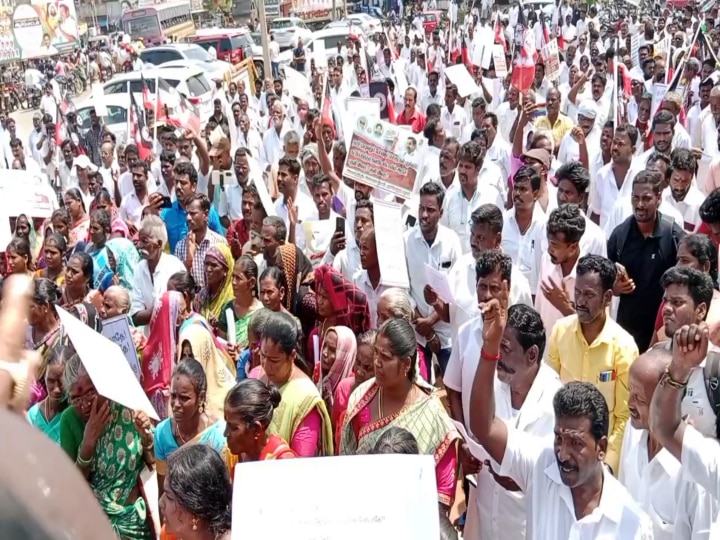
[(643, 247)]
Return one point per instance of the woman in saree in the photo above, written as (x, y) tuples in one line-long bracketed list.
[(302, 420), (24, 228), (124, 258), (80, 221), (78, 283), (110, 445), (61, 223), (159, 354), (339, 303), (54, 249), (248, 364), (363, 370), (249, 410), (218, 290), (337, 359), (189, 424), (19, 258), (396, 397), (244, 302), (99, 233), (104, 201), (44, 331), (197, 499), (45, 414), (299, 277)]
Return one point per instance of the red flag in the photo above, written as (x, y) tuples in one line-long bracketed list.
[(140, 131), (523, 72), (546, 32), (326, 116), (146, 95), (499, 33), (391, 109), (184, 115)]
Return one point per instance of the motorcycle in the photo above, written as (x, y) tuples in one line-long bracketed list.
[(9, 99)]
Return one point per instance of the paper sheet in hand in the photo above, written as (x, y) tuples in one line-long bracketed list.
[(439, 282), (393, 497), (390, 245), (460, 77), (476, 449), (106, 365), (98, 98), (297, 84)]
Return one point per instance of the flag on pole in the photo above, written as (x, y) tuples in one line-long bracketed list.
[(326, 116), (140, 132), (499, 32), (526, 55), (146, 95)]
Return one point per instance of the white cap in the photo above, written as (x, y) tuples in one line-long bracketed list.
[(587, 108), (83, 162)]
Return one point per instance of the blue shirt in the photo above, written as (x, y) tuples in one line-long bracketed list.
[(175, 219)]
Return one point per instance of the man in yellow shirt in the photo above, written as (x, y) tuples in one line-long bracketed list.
[(555, 121), (589, 346)]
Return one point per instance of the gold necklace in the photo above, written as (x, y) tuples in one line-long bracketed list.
[(380, 404)]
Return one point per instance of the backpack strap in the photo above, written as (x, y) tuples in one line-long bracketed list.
[(711, 375)]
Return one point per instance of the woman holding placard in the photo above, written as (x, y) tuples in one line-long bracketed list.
[(110, 445), (244, 303), (398, 397), (249, 411), (302, 420), (197, 500)]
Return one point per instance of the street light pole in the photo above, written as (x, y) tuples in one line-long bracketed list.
[(264, 41)]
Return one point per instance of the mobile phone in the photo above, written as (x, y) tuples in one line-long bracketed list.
[(340, 225), (215, 178), (166, 202), (411, 221), (227, 177)]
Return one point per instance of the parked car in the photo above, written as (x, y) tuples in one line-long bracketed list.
[(330, 38), (162, 54), (431, 21), (287, 31), (232, 45), (191, 82), (369, 24)]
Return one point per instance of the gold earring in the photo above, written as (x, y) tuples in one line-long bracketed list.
[(195, 522)]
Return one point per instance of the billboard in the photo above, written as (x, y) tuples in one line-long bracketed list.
[(38, 28)]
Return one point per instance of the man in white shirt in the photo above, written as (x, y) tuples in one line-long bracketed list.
[(272, 139), (523, 395), (683, 193), (469, 193), (132, 204), (431, 93), (368, 278), (569, 492), (430, 243), (523, 234), (293, 207), (452, 116), (34, 138), (479, 106), (48, 103), (678, 507), (153, 272), (274, 56)]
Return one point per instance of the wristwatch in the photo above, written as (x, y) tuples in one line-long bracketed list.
[(19, 375)]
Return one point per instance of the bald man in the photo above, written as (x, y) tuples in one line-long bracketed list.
[(677, 507)]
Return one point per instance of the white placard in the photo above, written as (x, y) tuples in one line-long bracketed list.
[(499, 61), (439, 282), (98, 98), (117, 330), (297, 84), (658, 94), (401, 82), (309, 508), (148, 477), (357, 107), (263, 193), (476, 449), (317, 239), (390, 246), (635, 50), (320, 54), (106, 365), (460, 77)]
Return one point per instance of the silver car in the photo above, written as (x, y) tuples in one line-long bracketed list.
[(287, 31)]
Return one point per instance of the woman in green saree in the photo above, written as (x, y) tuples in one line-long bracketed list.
[(45, 415), (110, 446)]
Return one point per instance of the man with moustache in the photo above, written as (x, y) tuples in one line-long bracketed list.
[(678, 507), (524, 393), (589, 346), (569, 492), (155, 268), (682, 193)]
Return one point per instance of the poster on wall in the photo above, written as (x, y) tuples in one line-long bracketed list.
[(37, 29)]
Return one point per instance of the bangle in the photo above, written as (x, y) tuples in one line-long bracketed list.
[(84, 463), (667, 380), (431, 337), (488, 357)]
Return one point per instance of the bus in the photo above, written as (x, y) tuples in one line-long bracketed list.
[(160, 23)]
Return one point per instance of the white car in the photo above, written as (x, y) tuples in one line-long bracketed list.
[(370, 25), (287, 31), (191, 82), (186, 54), (330, 38), (116, 119)]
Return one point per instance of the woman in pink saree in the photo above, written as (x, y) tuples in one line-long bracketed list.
[(397, 397)]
